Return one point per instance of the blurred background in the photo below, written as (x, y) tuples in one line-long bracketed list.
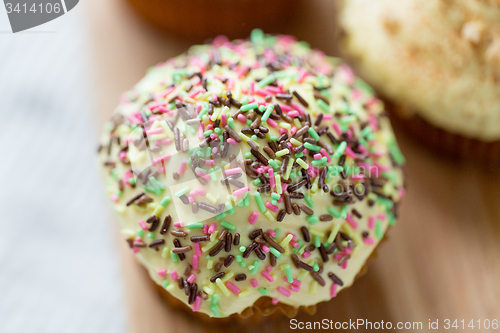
[(60, 262)]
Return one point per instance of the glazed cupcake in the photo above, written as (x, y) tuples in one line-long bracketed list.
[(438, 65), (252, 175), (209, 18)]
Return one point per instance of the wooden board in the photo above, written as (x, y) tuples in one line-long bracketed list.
[(442, 260)]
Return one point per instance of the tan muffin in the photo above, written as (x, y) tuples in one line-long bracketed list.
[(437, 59), (254, 174)]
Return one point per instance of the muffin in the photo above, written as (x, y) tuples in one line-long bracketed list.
[(252, 175), (437, 63), (209, 18)]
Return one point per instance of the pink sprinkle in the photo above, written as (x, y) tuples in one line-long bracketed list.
[(297, 107), (349, 152), (143, 225), (294, 130), (196, 92), (161, 272), (198, 109), (317, 156), (284, 186), (233, 171), (351, 221), (190, 199), (242, 118), (232, 141), (161, 158), (294, 244), (306, 255), (212, 228), (173, 275), (214, 136), (157, 130), (223, 117), (201, 136), (267, 276), (371, 222), (344, 266), (327, 116), (197, 248), (271, 177), (293, 114), (205, 228), (283, 131), (273, 90), (210, 127), (296, 282), (254, 283), (233, 288), (215, 149), (122, 155), (179, 224), (285, 107), (272, 123), (197, 303), (336, 127), (262, 93), (368, 240), (198, 191), (253, 218), (229, 84), (269, 268), (333, 290), (240, 191), (264, 248), (202, 175), (325, 154), (272, 207), (283, 291), (195, 261), (358, 177), (135, 250), (274, 301), (191, 278), (252, 88), (242, 71), (271, 232), (166, 141), (138, 239), (294, 288)]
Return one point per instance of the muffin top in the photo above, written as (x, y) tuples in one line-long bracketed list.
[(438, 59), (249, 169)]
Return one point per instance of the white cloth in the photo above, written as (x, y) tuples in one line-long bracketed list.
[(59, 268)]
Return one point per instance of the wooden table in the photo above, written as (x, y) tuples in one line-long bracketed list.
[(442, 260)]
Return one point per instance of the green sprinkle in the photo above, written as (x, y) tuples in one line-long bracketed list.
[(323, 106), (317, 242), (395, 152), (308, 201), (313, 133), (288, 272), (175, 257), (242, 248), (273, 164), (259, 201), (312, 220), (315, 267), (312, 147), (264, 291), (140, 232), (238, 257), (182, 192), (333, 212), (275, 195), (257, 36), (255, 267), (266, 81), (230, 122), (250, 106), (277, 231), (275, 252), (165, 284), (268, 112), (150, 235), (227, 225), (273, 138), (248, 154), (340, 149), (195, 225), (319, 161), (243, 264), (229, 208), (220, 216), (391, 218)]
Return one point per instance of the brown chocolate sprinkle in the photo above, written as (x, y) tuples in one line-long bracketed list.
[(301, 99), (331, 249), (300, 264), (139, 244), (310, 248), (154, 221), (130, 242), (323, 254), (223, 234), (187, 270), (273, 243), (192, 295), (207, 207), (301, 131), (233, 134), (297, 186), (260, 254), (204, 238), (218, 266), (318, 278), (305, 234), (229, 260), (281, 215), (156, 243), (250, 249), (344, 259), (296, 209), (217, 276), (217, 248), (288, 203), (182, 249), (254, 234), (356, 213), (259, 156), (178, 233), (335, 279), (236, 240), (240, 277), (325, 218), (166, 224), (272, 260), (229, 242), (295, 195), (135, 198), (269, 151), (306, 209)]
